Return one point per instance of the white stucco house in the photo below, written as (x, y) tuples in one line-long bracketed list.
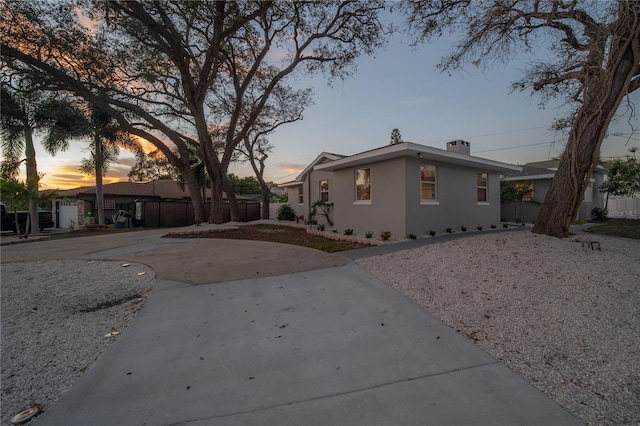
[(405, 188)]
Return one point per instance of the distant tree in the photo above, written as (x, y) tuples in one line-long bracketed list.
[(517, 194), (395, 137), (623, 178), (593, 52), (244, 185), (150, 167), (25, 113)]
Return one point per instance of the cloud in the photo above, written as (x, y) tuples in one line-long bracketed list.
[(415, 102), (291, 167)]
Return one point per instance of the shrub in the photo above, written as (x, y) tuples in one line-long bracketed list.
[(335, 231), (599, 215), (385, 235), (348, 231), (286, 212), (321, 227), (505, 225), (432, 233), (479, 227), (493, 226), (369, 234), (413, 236), (463, 228), (449, 230)]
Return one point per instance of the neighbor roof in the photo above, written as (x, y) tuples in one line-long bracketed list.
[(165, 188)]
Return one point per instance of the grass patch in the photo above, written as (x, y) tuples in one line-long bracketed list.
[(627, 228)]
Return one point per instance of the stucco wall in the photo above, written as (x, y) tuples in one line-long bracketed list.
[(385, 212)]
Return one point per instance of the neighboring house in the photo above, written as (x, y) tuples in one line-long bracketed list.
[(404, 188), (159, 203), (539, 175)]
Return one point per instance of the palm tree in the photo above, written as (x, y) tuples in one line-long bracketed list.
[(106, 140), (23, 115)]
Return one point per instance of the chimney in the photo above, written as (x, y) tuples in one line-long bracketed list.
[(459, 146)]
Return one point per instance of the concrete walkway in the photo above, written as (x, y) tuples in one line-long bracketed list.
[(244, 333)]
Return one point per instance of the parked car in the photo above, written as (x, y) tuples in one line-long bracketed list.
[(7, 220)]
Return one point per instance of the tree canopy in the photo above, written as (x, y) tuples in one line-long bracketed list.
[(185, 73)]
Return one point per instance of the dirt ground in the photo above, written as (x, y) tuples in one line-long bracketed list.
[(277, 234)]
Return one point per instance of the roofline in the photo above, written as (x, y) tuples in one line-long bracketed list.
[(410, 149), (320, 156), (290, 184), (528, 177)]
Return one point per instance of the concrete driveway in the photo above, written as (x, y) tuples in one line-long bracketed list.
[(243, 333)]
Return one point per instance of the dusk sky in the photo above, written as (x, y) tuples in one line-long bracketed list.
[(398, 88)]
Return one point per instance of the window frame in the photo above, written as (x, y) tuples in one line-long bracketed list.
[(484, 202), (300, 195), (434, 182), (367, 184), (324, 194)]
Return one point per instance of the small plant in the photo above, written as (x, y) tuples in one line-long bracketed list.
[(463, 228), (479, 227), (413, 236), (449, 230), (505, 225), (369, 234), (385, 235), (348, 231), (432, 233), (579, 222), (321, 227), (493, 226), (286, 212), (335, 231), (599, 215)]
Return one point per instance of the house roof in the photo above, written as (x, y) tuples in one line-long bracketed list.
[(320, 159), (166, 188), (409, 149), (542, 170)]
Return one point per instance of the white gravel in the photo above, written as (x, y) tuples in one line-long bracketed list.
[(55, 315), (561, 315)]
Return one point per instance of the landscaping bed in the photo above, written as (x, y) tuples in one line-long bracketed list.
[(275, 234)]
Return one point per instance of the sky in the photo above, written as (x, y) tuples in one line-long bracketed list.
[(398, 88)]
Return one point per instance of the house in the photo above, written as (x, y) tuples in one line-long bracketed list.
[(404, 188), (539, 175), (160, 203)]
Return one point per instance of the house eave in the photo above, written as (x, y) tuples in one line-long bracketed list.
[(425, 153), (528, 177)]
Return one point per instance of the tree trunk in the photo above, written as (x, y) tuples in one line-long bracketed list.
[(32, 174), (98, 159), (216, 210), (266, 198), (234, 209), (603, 93)]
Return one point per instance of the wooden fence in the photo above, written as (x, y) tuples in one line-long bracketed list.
[(165, 214)]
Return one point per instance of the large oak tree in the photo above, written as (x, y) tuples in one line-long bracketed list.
[(159, 67), (592, 59)]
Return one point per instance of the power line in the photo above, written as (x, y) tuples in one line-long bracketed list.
[(514, 147)]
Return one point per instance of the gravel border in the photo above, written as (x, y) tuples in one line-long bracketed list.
[(55, 319), (562, 314)]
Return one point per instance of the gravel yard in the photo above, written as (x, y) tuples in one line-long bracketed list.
[(562, 315)]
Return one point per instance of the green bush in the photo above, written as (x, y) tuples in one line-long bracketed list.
[(505, 225), (432, 233), (385, 235), (348, 231), (599, 215), (449, 230), (463, 228), (286, 212), (479, 227), (369, 234), (413, 236), (493, 226), (321, 227)]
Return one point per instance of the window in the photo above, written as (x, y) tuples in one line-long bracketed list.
[(324, 190), (428, 183), (481, 184), (363, 185), (301, 195), (109, 203), (525, 190)]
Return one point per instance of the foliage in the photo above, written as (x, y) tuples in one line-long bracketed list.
[(449, 230), (463, 228), (517, 194), (321, 227), (479, 227), (245, 185), (348, 231), (413, 236), (385, 235), (286, 212), (623, 178), (627, 228), (598, 214), (325, 211), (505, 225), (17, 195), (368, 234), (396, 137), (493, 226), (432, 233)]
